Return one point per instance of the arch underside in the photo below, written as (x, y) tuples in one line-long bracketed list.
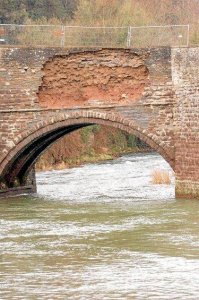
[(15, 171)]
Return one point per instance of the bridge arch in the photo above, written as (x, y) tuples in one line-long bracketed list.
[(30, 144)]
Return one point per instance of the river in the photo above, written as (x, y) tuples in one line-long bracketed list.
[(100, 231)]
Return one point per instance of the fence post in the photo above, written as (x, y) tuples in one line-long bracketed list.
[(62, 36), (129, 37), (188, 34)]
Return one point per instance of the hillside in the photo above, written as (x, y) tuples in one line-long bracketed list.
[(90, 144)]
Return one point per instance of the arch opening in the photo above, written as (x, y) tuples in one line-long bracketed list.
[(24, 155)]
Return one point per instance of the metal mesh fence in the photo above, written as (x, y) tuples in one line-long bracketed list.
[(78, 36), (35, 35), (96, 36), (159, 36)]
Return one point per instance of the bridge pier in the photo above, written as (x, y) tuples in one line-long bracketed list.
[(17, 191), (185, 78), (30, 187), (186, 189)]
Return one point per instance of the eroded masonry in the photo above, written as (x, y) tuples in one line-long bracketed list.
[(49, 92)]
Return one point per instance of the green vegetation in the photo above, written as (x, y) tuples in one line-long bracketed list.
[(86, 132), (19, 11), (101, 12)]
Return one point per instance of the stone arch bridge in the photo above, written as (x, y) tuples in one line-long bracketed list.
[(49, 92)]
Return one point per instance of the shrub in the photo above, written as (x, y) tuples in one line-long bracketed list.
[(160, 177)]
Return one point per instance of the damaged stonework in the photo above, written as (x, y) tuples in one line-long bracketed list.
[(106, 77), (46, 93)]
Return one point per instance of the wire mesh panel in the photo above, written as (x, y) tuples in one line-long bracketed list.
[(95, 36), (78, 36), (154, 36), (32, 35)]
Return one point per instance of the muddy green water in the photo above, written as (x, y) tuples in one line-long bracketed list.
[(101, 231)]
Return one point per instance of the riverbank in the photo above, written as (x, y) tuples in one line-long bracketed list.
[(87, 159), (88, 145)]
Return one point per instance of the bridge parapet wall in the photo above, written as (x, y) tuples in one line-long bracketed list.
[(151, 105)]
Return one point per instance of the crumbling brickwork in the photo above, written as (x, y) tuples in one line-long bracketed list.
[(49, 92), (99, 78)]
